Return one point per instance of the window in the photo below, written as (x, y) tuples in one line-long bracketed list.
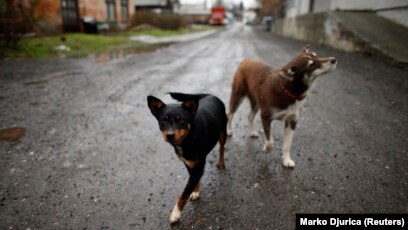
[(110, 9), (69, 15), (124, 10)]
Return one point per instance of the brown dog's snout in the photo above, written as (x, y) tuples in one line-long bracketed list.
[(331, 60)]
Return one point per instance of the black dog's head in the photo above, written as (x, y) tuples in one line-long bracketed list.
[(174, 119)]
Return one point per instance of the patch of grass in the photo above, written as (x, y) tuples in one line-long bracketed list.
[(157, 32), (162, 33), (83, 44), (79, 45)]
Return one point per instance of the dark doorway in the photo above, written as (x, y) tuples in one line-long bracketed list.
[(69, 14), (311, 6)]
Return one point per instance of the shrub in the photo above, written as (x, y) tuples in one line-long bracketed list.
[(13, 24), (166, 21)]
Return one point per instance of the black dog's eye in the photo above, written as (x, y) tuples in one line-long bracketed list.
[(179, 120), (164, 120)]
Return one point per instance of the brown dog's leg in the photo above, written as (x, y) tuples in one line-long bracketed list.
[(229, 126), (266, 123), (237, 94), (287, 142), (221, 163), (254, 109)]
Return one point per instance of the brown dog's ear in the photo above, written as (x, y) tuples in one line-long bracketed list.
[(191, 106), (155, 105), (305, 49)]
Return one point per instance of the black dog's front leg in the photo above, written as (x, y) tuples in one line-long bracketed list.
[(196, 171)]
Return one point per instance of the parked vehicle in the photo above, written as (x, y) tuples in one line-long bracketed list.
[(218, 16)]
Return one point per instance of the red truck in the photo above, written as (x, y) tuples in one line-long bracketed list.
[(218, 16)]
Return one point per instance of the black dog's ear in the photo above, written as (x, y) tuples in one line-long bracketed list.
[(191, 106), (155, 105)]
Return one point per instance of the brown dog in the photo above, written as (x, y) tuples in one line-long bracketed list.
[(279, 93)]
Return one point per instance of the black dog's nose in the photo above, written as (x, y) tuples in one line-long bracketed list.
[(170, 136), (333, 61)]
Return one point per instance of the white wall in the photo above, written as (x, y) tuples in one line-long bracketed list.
[(366, 4), (299, 7), (399, 16), (321, 5)]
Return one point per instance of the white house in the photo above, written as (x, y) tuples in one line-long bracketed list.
[(396, 10), (172, 5)]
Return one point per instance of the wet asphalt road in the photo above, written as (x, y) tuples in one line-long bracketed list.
[(93, 157)]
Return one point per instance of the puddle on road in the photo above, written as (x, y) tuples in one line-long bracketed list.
[(36, 82), (12, 134), (100, 59), (55, 77), (105, 57)]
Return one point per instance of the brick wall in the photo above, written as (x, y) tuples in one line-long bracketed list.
[(46, 14), (92, 8), (98, 10)]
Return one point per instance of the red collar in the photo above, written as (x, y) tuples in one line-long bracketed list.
[(290, 94)]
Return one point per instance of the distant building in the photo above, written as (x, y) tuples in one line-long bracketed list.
[(114, 12), (59, 16), (195, 13), (159, 5)]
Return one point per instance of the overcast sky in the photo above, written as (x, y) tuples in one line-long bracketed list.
[(247, 3)]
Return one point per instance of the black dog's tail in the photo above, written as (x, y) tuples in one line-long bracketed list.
[(187, 97)]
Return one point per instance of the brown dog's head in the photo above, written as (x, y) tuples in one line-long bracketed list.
[(307, 66)]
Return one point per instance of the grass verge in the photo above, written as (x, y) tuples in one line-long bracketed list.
[(163, 33), (78, 44)]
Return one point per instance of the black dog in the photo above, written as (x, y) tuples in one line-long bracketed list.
[(193, 128)]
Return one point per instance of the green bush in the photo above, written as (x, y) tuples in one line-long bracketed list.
[(13, 24), (166, 21)]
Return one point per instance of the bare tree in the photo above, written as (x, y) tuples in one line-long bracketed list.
[(13, 24), (272, 7)]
